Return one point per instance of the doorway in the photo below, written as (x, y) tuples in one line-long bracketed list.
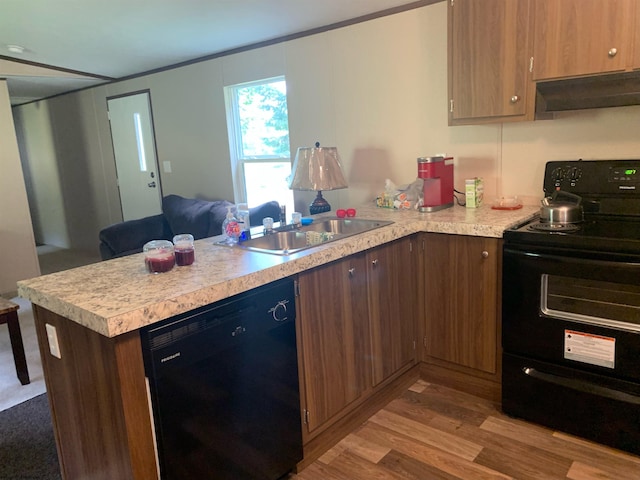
[(134, 148)]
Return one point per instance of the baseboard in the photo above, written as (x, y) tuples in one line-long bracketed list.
[(9, 295), (466, 380)]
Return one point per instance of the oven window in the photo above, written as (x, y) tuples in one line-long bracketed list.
[(591, 301)]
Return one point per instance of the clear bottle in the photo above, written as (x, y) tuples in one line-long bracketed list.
[(231, 228), (244, 221)]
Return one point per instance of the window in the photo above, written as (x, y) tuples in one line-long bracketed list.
[(259, 141)]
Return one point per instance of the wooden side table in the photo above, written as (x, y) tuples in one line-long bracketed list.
[(9, 315)]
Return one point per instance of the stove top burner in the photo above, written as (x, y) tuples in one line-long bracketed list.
[(554, 227), (595, 234)]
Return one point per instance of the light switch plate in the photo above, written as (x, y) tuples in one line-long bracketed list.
[(52, 337), (166, 166)]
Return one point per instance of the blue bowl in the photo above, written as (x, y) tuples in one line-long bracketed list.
[(306, 221)]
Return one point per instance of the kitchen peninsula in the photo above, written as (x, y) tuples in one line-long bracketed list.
[(97, 387)]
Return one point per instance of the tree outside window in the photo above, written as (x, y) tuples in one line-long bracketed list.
[(259, 141)]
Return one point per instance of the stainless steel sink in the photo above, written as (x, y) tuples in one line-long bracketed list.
[(290, 240)]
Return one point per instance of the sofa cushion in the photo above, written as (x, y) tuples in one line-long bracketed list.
[(128, 237), (190, 215), (268, 209)]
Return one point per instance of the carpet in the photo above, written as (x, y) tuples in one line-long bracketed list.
[(27, 445)]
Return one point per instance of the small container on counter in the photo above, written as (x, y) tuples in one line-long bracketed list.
[(242, 214), (184, 249), (474, 192), (267, 223), (159, 256)]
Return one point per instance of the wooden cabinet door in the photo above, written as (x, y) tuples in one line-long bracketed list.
[(392, 312), (636, 50), (334, 336), (582, 37), (489, 51), (461, 279)]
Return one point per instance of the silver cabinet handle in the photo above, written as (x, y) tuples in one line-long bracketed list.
[(515, 99), (612, 52), (352, 272), (485, 254)]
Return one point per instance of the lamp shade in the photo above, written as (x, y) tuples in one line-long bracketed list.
[(317, 168)]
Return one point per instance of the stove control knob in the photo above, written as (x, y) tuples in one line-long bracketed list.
[(574, 174), (558, 176)]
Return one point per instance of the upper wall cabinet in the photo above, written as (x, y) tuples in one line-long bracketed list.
[(583, 37), (489, 51)]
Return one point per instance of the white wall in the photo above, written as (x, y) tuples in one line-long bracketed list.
[(18, 258), (41, 174), (376, 90), (608, 133)]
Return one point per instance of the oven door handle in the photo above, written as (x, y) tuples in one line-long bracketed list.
[(624, 260), (582, 386)]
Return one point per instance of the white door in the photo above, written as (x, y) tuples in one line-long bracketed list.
[(136, 162)]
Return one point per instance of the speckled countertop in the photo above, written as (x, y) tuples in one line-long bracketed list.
[(118, 296)]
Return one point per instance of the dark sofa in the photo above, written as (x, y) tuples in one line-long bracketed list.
[(201, 218)]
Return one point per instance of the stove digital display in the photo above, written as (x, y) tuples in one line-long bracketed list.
[(624, 175)]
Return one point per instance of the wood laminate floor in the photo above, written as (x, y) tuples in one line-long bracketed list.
[(433, 432)]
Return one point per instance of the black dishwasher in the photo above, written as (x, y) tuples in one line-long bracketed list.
[(223, 382)]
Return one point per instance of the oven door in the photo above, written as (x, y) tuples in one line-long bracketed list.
[(571, 341), (573, 308)]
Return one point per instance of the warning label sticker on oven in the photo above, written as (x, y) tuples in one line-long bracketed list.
[(589, 348)]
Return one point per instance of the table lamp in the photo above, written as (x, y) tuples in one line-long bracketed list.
[(316, 169)]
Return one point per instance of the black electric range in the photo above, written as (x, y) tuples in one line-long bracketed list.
[(571, 309)]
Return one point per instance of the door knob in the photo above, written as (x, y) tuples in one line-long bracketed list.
[(612, 52), (485, 254), (352, 272), (151, 184)]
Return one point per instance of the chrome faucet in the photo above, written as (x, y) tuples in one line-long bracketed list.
[(283, 215)]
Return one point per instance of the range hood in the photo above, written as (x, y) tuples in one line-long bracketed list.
[(612, 90)]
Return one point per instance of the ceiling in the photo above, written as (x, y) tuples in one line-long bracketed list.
[(74, 44)]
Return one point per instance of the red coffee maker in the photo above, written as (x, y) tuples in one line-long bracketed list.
[(437, 174)]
